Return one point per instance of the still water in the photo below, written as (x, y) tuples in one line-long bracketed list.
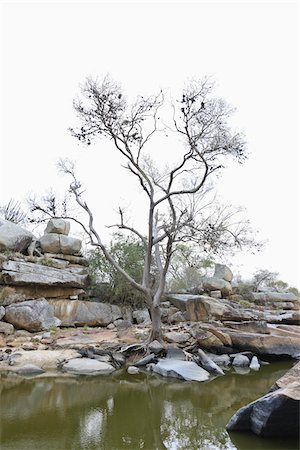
[(133, 412)]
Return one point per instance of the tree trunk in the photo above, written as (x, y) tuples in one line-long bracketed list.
[(156, 324)]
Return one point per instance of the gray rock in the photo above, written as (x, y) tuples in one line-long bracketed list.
[(221, 360), (184, 370), (6, 328), (222, 271), (275, 414), (122, 324), (81, 313), (146, 360), (25, 273), (32, 315), (176, 317), (141, 316), (59, 243), (13, 237), (240, 361), (254, 364), (86, 366), (177, 337), (217, 284), (2, 312), (59, 226), (175, 353), (156, 347), (132, 370), (208, 364), (29, 369)]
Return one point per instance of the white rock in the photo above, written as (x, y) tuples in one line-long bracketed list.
[(86, 366), (186, 370), (132, 370), (254, 365)]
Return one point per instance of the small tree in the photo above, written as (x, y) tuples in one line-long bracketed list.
[(129, 254), (176, 195)]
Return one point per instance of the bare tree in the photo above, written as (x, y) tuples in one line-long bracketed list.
[(177, 209)]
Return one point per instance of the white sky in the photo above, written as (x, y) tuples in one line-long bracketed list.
[(251, 50)]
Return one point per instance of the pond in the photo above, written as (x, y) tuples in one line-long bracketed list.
[(121, 411)]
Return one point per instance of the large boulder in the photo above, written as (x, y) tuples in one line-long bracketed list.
[(26, 273), (184, 370), (32, 315), (59, 243), (59, 226), (217, 284), (202, 308), (13, 237), (276, 413), (86, 366), (80, 313), (275, 343), (223, 272)]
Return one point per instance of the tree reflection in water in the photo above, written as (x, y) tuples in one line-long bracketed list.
[(130, 412)]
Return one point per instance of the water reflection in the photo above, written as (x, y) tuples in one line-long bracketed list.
[(130, 412)]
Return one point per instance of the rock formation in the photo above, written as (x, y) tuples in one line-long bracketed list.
[(276, 413)]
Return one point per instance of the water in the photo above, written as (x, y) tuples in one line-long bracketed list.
[(133, 412)]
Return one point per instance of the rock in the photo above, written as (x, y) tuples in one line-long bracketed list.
[(240, 361), (59, 243), (2, 312), (206, 339), (13, 237), (249, 326), (6, 328), (29, 369), (223, 272), (80, 313), (46, 359), (221, 335), (288, 378), (146, 360), (177, 337), (86, 366), (267, 344), (254, 364), (201, 308), (59, 226), (273, 415), (132, 370), (141, 316), (217, 284), (184, 370), (156, 347), (111, 326), (37, 291), (221, 360), (122, 324), (32, 315), (74, 259), (264, 297), (216, 294), (208, 364), (175, 353), (25, 273), (176, 317)]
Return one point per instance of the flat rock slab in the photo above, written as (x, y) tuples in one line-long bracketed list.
[(30, 369), (26, 273), (82, 338), (86, 366), (45, 359), (184, 370)]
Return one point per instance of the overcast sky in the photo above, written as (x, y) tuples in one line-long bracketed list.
[(250, 49)]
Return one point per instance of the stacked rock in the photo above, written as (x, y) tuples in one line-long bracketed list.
[(56, 240), (220, 281)]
